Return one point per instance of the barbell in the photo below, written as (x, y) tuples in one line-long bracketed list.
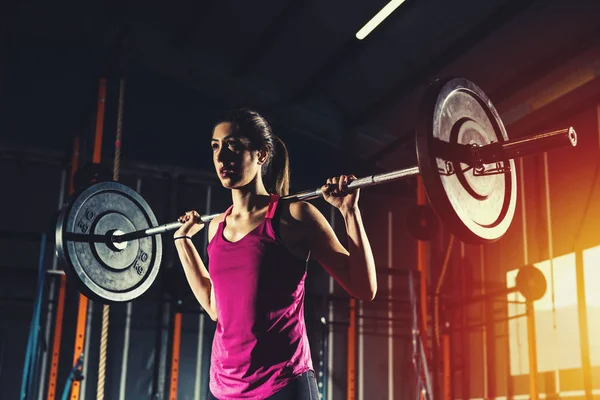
[(109, 243)]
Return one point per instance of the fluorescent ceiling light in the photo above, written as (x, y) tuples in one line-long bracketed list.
[(378, 18)]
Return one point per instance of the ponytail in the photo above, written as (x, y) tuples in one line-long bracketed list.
[(277, 177)]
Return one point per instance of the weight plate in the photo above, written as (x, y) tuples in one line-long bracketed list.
[(103, 271), (476, 206), (531, 283)]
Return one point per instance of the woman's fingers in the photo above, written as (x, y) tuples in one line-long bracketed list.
[(343, 182), (189, 216), (338, 185)]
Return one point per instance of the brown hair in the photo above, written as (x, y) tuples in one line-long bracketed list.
[(251, 125)]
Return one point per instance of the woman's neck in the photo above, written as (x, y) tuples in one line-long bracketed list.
[(249, 199)]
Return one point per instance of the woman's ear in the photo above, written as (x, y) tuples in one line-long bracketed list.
[(263, 156)]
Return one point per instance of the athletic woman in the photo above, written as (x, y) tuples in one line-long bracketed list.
[(258, 251)]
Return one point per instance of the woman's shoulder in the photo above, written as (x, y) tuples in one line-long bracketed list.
[(213, 225), (301, 224), (298, 211)]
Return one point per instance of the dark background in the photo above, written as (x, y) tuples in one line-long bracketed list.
[(341, 105)]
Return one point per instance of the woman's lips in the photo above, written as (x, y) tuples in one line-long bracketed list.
[(226, 172)]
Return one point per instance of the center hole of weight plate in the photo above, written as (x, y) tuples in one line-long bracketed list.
[(471, 133), (117, 256), (117, 246)]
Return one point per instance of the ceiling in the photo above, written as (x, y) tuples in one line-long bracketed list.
[(343, 101)]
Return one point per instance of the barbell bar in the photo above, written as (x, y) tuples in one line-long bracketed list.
[(473, 155), (302, 196), (109, 242)]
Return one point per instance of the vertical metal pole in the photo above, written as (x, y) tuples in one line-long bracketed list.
[(529, 308), (416, 348), (127, 329), (201, 316), (464, 332), (485, 319), (33, 346), (83, 327), (351, 357), (198, 381), (446, 372), (51, 298), (532, 346), (351, 367), (551, 258), (390, 310), (86, 346), (162, 338), (361, 353), (124, 361), (490, 346), (60, 304), (323, 358), (523, 212), (60, 308), (583, 325), (176, 348), (80, 334), (101, 105), (422, 266), (161, 351), (423, 271), (488, 333), (329, 321)]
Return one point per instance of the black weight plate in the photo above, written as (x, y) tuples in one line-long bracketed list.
[(475, 208), (103, 271), (531, 283)]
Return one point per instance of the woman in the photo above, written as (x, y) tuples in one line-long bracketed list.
[(258, 251)]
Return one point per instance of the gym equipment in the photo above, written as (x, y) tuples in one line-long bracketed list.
[(529, 282), (107, 271), (109, 241)]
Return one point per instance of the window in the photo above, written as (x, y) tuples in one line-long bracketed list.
[(557, 322), (557, 327)]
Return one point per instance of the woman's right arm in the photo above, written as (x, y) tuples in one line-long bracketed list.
[(193, 267)]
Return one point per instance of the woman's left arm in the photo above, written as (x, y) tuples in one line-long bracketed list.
[(352, 268), (360, 258)]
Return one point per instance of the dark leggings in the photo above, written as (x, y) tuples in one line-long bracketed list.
[(303, 387)]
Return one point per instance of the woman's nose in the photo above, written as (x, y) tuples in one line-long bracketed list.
[(221, 154)]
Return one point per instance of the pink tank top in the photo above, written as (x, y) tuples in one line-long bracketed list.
[(260, 343)]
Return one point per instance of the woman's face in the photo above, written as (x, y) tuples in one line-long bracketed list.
[(235, 163)]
